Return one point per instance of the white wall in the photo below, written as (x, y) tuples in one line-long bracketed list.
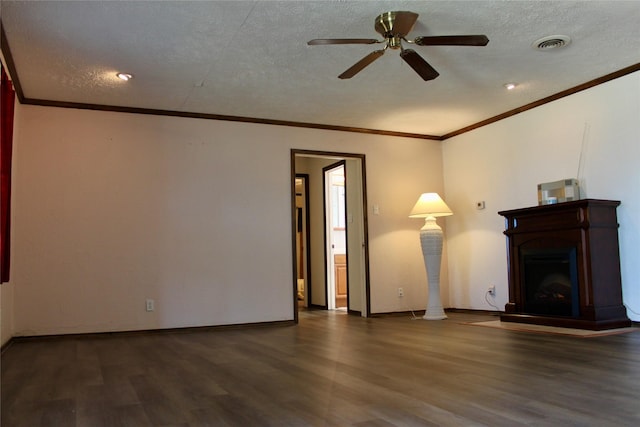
[(502, 164), (395, 253), (110, 209), (6, 312)]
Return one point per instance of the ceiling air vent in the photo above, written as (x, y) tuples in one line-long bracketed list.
[(551, 42)]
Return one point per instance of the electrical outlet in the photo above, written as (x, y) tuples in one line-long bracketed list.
[(150, 305), (400, 292), (491, 290)]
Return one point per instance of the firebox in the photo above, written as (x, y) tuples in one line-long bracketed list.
[(550, 282)]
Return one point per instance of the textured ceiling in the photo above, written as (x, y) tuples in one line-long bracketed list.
[(250, 58)]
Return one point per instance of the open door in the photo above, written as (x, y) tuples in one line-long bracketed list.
[(335, 219), (357, 239)]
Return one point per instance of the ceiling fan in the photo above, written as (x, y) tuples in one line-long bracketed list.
[(394, 27)]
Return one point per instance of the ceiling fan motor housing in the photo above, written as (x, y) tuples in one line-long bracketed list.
[(395, 24)]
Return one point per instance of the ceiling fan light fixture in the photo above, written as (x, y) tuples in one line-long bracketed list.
[(551, 42), (124, 76)]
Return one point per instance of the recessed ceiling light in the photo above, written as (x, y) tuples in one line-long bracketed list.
[(510, 86), (551, 42), (124, 76)]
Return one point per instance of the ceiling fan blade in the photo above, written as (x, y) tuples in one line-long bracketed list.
[(419, 65), (360, 65), (470, 40), (316, 42)]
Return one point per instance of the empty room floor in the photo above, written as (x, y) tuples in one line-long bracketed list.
[(332, 369)]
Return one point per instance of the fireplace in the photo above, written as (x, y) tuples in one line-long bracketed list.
[(564, 265), (550, 280)]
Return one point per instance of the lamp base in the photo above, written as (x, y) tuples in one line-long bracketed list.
[(435, 315), (431, 242)]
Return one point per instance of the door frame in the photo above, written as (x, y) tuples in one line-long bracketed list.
[(365, 224)]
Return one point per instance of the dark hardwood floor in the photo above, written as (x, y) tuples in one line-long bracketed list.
[(330, 370)]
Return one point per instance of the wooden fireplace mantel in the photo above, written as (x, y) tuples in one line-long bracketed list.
[(589, 228)]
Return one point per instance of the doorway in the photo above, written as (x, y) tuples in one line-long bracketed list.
[(335, 219), (355, 261)]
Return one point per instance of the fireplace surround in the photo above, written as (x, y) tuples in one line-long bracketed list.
[(564, 265)]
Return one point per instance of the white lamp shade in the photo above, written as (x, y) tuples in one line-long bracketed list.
[(430, 204)]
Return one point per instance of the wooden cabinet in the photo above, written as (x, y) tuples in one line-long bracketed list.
[(564, 265), (340, 265)]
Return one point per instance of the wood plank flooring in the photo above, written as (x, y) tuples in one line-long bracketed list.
[(330, 370)]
